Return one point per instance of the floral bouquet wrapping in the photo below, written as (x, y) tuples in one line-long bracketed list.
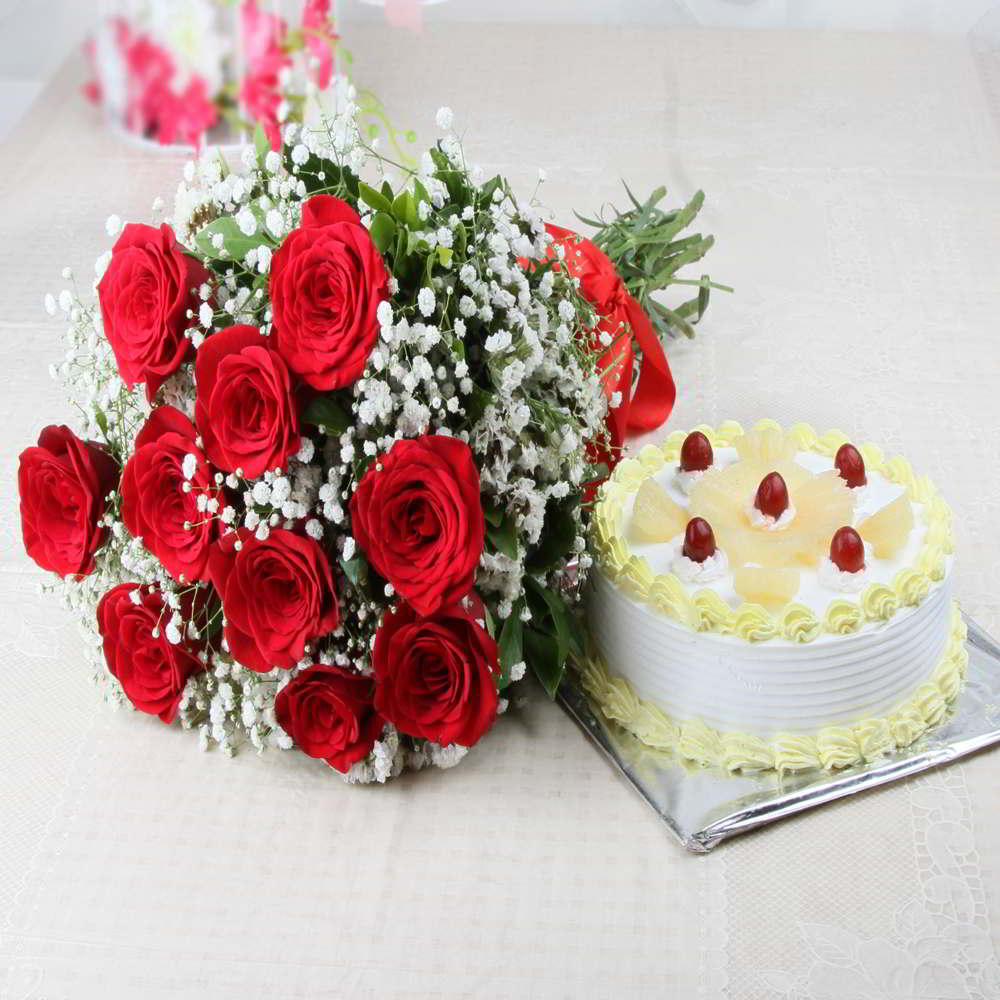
[(340, 423)]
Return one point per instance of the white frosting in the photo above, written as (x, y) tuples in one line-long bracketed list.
[(698, 573), (770, 687), (761, 520), (686, 480), (830, 575)]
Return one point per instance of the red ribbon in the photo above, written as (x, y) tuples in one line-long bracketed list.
[(645, 404)]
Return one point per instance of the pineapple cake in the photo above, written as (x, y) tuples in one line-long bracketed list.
[(772, 599)]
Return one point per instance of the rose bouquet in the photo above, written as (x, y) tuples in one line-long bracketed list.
[(340, 422)]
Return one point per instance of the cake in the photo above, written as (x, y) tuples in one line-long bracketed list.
[(772, 599)]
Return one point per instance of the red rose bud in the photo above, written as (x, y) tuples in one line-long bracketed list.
[(696, 452), (329, 713), (144, 295), (63, 483), (150, 668), (847, 550), (277, 595), (418, 518), (327, 280), (699, 540), (772, 495), (155, 505), (850, 465), (246, 409), (435, 676)]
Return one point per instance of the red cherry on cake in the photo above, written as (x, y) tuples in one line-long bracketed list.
[(850, 465), (696, 453), (847, 551), (772, 495), (699, 540)]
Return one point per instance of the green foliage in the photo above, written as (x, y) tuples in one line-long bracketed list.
[(646, 247), (235, 243), (329, 413), (510, 644), (503, 535), (549, 636), (558, 533)]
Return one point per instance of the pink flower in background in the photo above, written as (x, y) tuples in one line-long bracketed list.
[(149, 69), (320, 38), (185, 117), (263, 35), (146, 74)]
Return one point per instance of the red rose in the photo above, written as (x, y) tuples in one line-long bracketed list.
[(63, 482), (151, 670), (434, 677), (327, 280), (145, 295), (328, 711), (277, 594), (155, 506), (246, 408), (420, 522)]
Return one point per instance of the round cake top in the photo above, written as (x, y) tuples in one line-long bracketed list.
[(771, 533)]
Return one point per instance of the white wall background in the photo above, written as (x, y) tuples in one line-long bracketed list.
[(37, 35)]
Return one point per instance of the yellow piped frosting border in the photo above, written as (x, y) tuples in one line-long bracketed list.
[(705, 610), (830, 748)]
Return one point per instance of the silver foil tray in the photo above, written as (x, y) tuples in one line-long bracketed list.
[(702, 806)]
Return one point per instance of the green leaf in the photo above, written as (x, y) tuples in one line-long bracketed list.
[(421, 192), (404, 208), (493, 515), (439, 159), (510, 646), (374, 199), (328, 412), (668, 320), (478, 400), (486, 191), (558, 534), (234, 241), (383, 231), (541, 653), (461, 241), (703, 294), (356, 570), (444, 255), (491, 622), (504, 536), (101, 419), (678, 261), (548, 637), (261, 143)]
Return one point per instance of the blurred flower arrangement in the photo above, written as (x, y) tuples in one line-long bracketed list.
[(339, 423), (174, 70)]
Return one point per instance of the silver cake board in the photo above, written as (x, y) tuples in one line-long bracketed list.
[(702, 806)]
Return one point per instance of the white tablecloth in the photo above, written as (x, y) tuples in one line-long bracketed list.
[(853, 184)]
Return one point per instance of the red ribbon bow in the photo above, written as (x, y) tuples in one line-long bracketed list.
[(644, 404)]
